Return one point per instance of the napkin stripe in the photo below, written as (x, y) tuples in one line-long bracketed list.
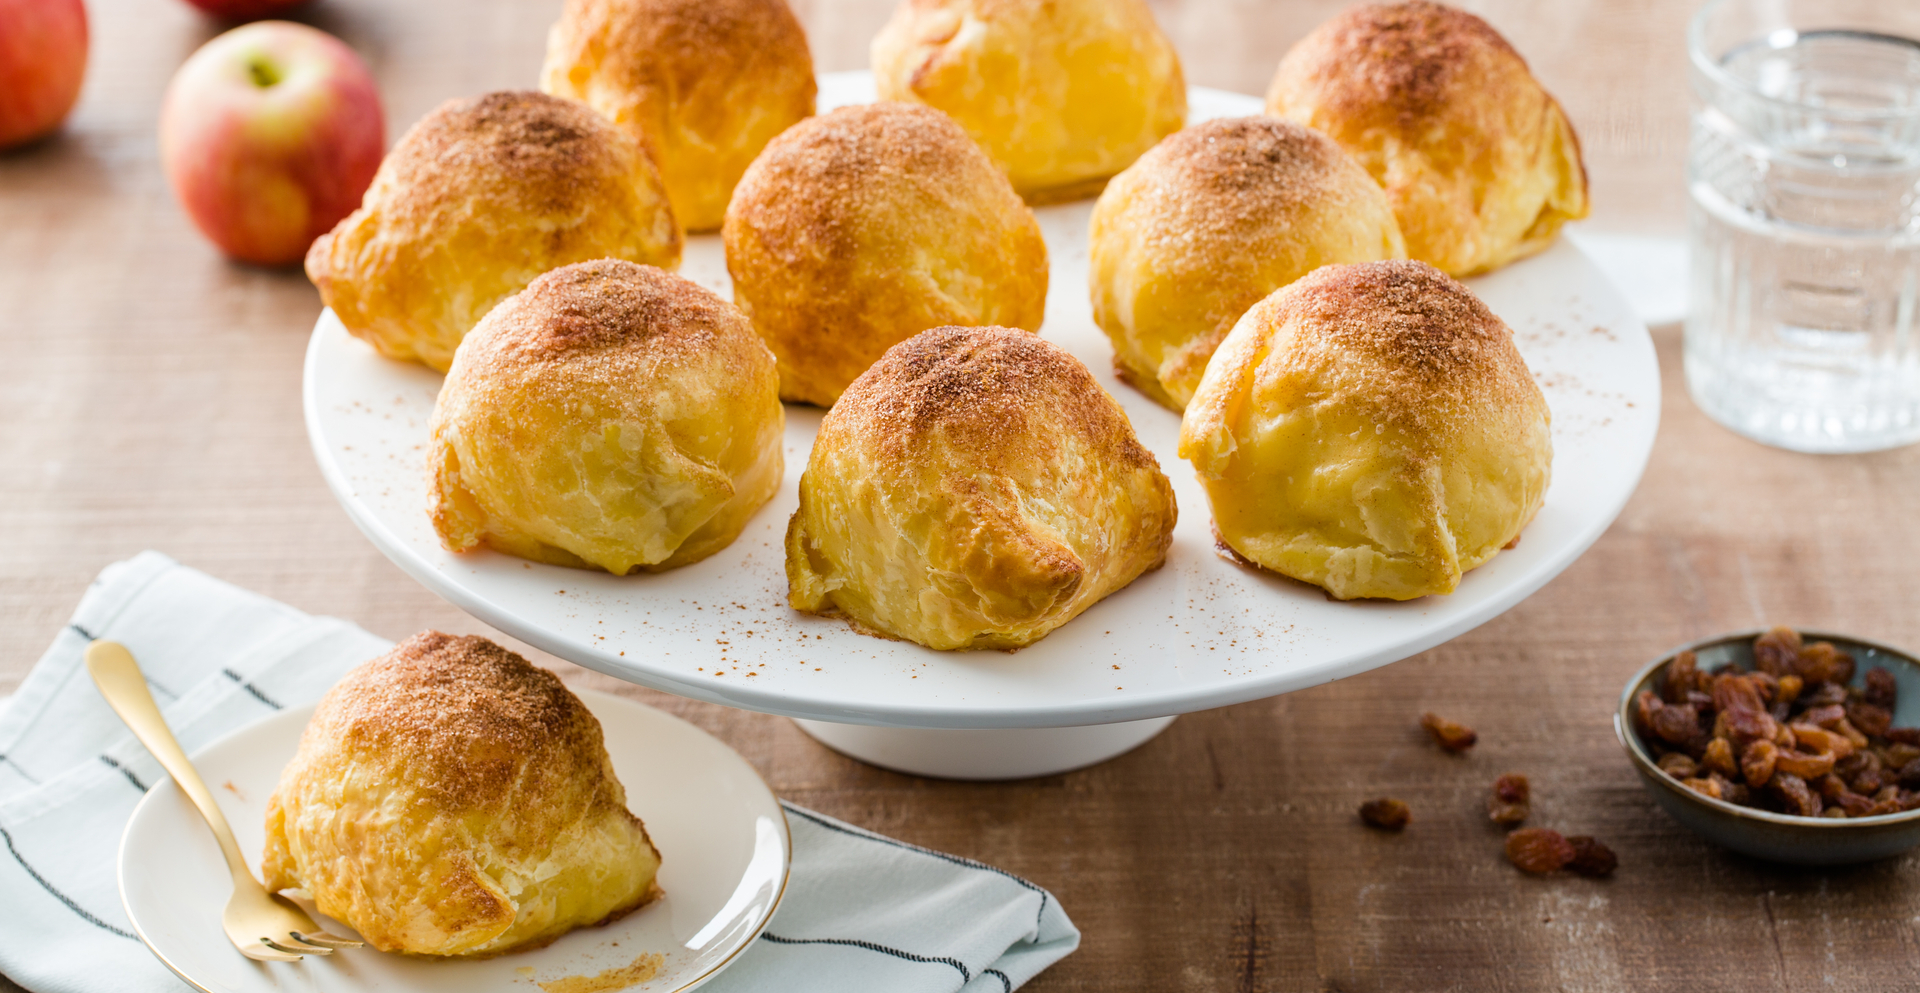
[(124, 771), (965, 976), (942, 856), (57, 895), (249, 687), (997, 974), (75, 627)]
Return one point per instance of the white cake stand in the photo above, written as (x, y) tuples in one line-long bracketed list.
[(1202, 632)]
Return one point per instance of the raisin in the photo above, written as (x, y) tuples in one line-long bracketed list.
[(1820, 662), (1748, 725), (1790, 687), (1538, 850), (1904, 736), (1677, 678), (1867, 781), (1880, 807), (1829, 786), (1803, 765), (1386, 814), (1853, 765), (1756, 764), (1678, 723), (1854, 804), (1591, 858), (1881, 690), (1826, 695), (1768, 686), (1707, 787), (1793, 792), (1719, 757), (1777, 652), (1644, 706), (1450, 735), (1817, 740), (1854, 737), (1909, 775), (1509, 805), (1899, 754), (1736, 692), (1825, 716), (1872, 720), (1680, 765)]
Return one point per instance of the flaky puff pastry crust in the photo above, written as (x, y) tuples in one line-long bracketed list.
[(1208, 223), (478, 198), (1480, 162), (1370, 429), (450, 799), (610, 415), (704, 83), (1062, 93), (976, 488), (859, 229)]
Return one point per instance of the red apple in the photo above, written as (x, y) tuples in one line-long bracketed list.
[(269, 134), (244, 10), (43, 56)]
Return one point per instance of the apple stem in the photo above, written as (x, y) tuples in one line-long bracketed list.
[(263, 73)]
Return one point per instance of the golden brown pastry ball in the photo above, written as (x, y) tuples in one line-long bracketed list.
[(1207, 224), (1370, 429), (1479, 161), (478, 198), (610, 415), (704, 83), (1062, 93), (450, 799), (859, 229), (976, 488)]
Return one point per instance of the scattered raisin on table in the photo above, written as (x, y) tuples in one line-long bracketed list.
[(1510, 803), (1791, 736), (1386, 813), (1450, 735), (1538, 850), (1590, 857)]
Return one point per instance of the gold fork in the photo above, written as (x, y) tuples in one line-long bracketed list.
[(264, 926)]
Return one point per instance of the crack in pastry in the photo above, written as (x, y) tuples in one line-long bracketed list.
[(975, 488)]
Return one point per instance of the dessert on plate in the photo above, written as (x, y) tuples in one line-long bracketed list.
[(704, 84), (610, 415), (1370, 429), (450, 799), (1061, 93), (1208, 223), (1479, 161), (975, 488), (477, 199), (859, 229)]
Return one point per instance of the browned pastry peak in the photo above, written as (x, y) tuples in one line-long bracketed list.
[(979, 387), (1272, 159), (691, 40), (606, 303), (1440, 349), (1409, 56), (479, 724), (539, 146)]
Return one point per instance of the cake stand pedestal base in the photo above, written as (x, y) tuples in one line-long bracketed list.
[(1009, 753)]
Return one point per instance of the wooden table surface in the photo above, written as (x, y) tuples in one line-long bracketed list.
[(151, 399)]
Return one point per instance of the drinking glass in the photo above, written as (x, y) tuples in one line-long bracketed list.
[(1804, 181)]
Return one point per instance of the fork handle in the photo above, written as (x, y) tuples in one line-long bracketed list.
[(118, 676)]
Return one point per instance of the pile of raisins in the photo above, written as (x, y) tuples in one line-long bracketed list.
[(1790, 736)]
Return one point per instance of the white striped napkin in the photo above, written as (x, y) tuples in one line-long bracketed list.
[(862, 911)]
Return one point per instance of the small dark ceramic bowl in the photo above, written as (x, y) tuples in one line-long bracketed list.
[(1764, 834)]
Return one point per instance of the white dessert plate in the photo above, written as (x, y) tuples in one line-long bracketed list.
[(1201, 632), (722, 836)]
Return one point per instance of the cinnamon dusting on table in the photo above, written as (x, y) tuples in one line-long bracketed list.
[(632, 974)]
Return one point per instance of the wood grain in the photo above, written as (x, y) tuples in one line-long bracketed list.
[(151, 398)]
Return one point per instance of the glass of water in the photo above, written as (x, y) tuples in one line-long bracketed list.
[(1804, 175)]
